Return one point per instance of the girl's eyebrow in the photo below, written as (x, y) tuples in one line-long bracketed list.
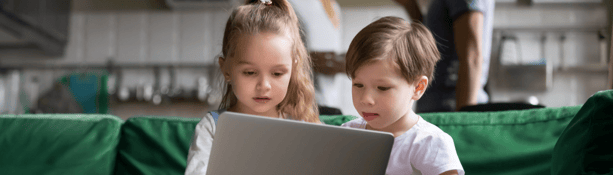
[(249, 63), (243, 62)]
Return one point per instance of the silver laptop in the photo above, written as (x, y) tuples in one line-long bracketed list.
[(248, 144)]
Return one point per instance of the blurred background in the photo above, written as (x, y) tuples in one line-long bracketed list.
[(156, 57)]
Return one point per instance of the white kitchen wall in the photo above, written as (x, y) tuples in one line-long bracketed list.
[(579, 52), (185, 37), (131, 37), (577, 69)]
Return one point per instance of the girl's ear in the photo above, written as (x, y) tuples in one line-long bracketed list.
[(420, 87), (226, 74)]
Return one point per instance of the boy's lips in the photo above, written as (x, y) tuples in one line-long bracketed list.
[(263, 99), (369, 116)]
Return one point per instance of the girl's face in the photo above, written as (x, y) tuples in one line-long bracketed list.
[(383, 97), (260, 72)]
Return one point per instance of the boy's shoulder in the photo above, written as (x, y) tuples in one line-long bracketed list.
[(427, 128), (425, 133)]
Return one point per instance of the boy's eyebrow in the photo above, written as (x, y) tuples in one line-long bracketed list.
[(281, 65), (385, 80)]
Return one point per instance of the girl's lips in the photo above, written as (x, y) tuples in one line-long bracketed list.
[(261, 99), (369, 116)]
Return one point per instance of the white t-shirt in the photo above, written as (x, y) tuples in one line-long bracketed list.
[(202, 142), (423, 149), (200, 148)]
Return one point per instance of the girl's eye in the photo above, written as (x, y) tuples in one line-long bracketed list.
[(358, 85), (278, 74), (383, 88), (249, 73)]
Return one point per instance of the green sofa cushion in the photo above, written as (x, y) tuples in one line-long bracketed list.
[(58, 144), (510, 142), (155, 145), (336, 120), (159, 145), (586, 145)]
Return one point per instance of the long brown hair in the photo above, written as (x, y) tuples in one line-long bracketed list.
[(274, 16)]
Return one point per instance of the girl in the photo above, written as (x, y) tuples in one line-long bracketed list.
[(266, 71), (391, 62)]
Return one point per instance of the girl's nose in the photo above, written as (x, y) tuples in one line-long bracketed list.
[(263, 84)]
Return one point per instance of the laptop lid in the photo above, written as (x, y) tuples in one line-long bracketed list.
[(249, 144)]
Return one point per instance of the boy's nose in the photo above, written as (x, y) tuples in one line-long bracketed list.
[(367, 99)]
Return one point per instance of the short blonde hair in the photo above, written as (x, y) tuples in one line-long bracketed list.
[(279, 18), (410, 45)]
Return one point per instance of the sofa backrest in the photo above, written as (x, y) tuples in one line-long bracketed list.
[(508, 142), (58, 144), (155, 145), (586, 145)]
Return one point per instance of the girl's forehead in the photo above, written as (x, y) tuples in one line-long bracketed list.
[(263, 49)]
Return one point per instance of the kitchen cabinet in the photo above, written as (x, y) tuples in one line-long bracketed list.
[(41, 24)]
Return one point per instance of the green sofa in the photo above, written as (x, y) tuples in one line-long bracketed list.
[(511, 142)]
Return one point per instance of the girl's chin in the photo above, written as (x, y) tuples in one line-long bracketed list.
[(263, 109)]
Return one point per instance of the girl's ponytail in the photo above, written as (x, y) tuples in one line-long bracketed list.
[(282, 4)]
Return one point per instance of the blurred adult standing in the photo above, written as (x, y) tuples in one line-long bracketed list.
[(463, 32)]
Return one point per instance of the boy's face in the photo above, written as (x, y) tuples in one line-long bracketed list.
[(260, 72), (383, 96)]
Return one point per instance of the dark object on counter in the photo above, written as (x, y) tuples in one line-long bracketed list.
[(499, 107), (325, 110), (58, 99)]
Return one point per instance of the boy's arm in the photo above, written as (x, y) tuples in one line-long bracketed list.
[(435, 154), (451, 172), (468, 29), (412, 8)]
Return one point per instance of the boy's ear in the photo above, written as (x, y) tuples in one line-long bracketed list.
[(420, 87)]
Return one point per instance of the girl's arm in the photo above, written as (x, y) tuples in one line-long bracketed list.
[(200, 148)]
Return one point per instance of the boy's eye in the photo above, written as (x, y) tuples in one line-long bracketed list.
[(383, 88), (358, 85), (249, 72)]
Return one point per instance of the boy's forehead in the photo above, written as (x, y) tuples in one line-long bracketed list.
[(380, 67), (382, 62)]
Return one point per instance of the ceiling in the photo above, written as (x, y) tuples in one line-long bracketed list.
[(104, 5), (361, 3)]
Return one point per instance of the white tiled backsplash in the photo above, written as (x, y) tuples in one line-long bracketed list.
[(196, 36)]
